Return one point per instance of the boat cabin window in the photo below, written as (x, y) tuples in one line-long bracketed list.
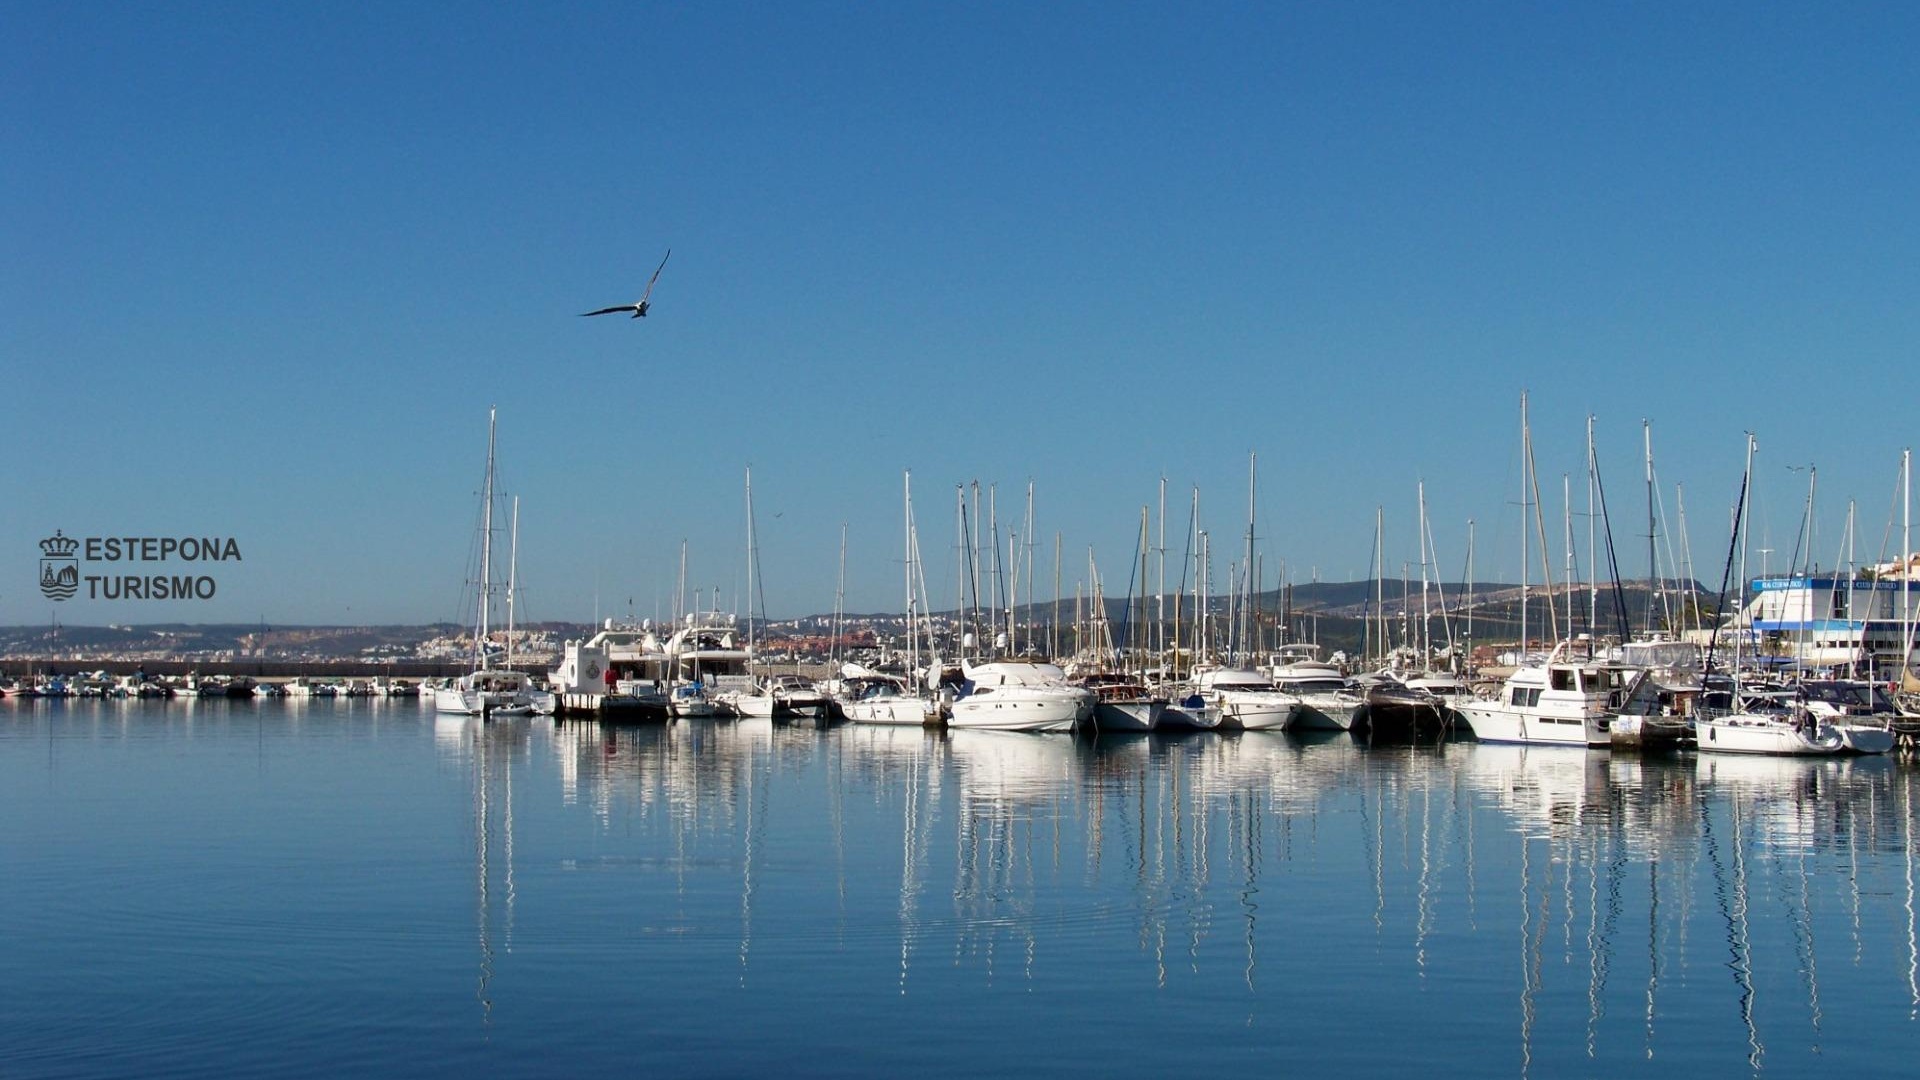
[(1525, 695), (1562, 679)]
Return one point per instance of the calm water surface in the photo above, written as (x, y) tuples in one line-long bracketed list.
[(308, 889)]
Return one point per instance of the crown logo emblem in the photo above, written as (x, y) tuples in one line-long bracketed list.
[(59, 570)]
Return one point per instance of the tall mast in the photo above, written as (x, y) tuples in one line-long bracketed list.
[(1566, 526), (1134, 652), (1053, 626), (1593, 518), (1655, 584), (680, 596), (906, 541), (1470, 597), (752, 557), (486, 552), (1244, 630), (1382, 645), (839, 603), (1426, 614), (1692, 601), (1526, 488), (1160, 588), (513, 573), (1906, 565)]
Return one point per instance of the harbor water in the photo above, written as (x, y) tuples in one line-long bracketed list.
[(201, 888)]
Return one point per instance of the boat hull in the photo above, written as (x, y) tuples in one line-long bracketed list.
[(1141, 715), (897, 711), (1496, 723), (1864, 738), (1018, 714), (1748, 734), (1317, 713), (1255, 711)]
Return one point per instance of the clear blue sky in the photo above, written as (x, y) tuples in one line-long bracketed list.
[(266, 266)]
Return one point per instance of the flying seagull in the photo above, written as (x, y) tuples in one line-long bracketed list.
[(639, 307)]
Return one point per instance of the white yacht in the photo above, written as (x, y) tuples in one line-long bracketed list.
[(1019, 695), (1327, 701), (1563, 701), (623, 665), (1244, 699)]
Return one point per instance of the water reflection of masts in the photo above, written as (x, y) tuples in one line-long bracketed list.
[(751, 842), (1532, 934), (1802, 917), (1600, 929), (1733, 909), (1913, 925), (921, 791), (482, 825)]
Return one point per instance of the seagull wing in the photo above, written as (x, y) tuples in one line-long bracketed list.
[(656, 275), (607, 310)]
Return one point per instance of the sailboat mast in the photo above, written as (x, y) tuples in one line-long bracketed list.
[(839, 603), (1593, 518), (906, 541), (486, 552), (513, 574), (751, 559), (1244, 628), (1566, 527), (1053, 626), (1160, 588), (1526, 489), (1656, 586), (1470, 597)]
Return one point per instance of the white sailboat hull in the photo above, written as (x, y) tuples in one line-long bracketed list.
[(900, 711), (1749, 733)]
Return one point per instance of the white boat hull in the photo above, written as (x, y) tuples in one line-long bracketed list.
[(1128, 715), (1760, 734), (752, 706), (1256, 711), (899, 711), (1326, 712), (1497, 723), (1009, 713), (1201, 717), (1864, 738)]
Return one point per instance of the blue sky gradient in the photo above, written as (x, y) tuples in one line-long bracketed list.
[(268, 266)]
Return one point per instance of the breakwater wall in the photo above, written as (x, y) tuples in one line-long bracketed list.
[(263, 668)]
